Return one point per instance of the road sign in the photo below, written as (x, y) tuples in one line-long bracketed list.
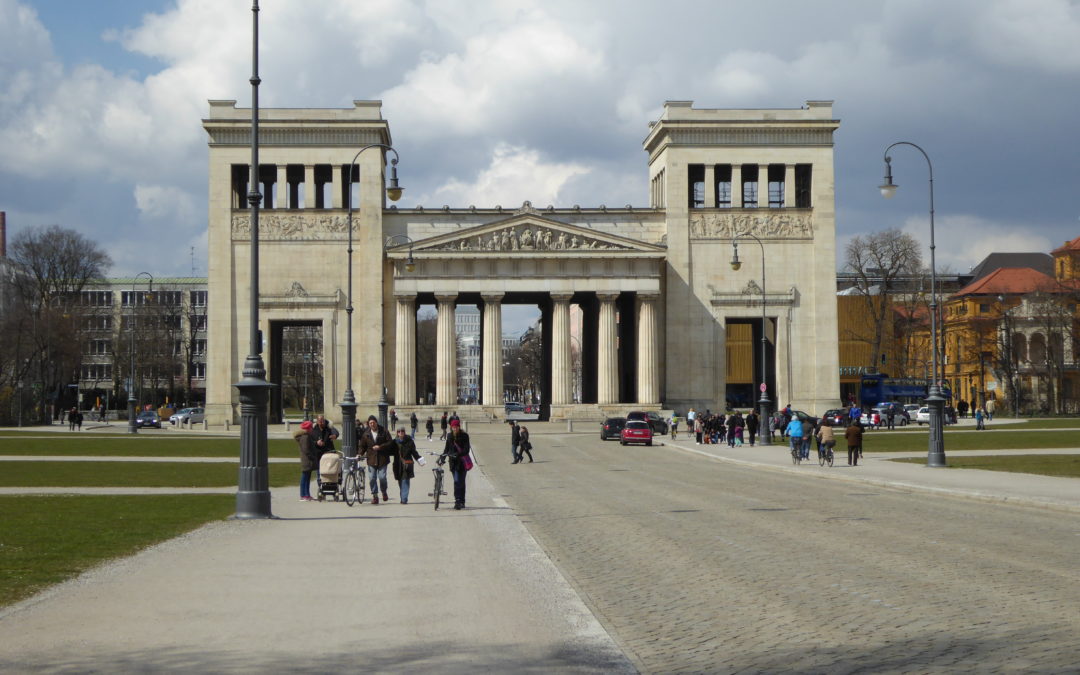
[(991, 386)]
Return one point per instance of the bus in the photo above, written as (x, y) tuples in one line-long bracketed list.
[(879, 388)]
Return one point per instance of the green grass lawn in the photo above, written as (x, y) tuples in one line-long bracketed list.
[(135, 474), (1067, 466), (992, 439), (147, 444), (47, 539)]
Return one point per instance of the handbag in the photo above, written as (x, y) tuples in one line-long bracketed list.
[(467, 463)]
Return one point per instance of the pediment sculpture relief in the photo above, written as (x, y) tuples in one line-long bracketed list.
[(526, 238), (769, 225)]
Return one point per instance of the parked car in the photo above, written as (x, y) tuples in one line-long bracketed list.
[(148, 418), (653, 419), (636, 431), (837, 416), (612, 428), (911, 409), (900, 418), (189, 415), (805, 416), (515, 407), (923, 416)]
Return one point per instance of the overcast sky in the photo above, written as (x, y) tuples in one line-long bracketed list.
[(501, 101)]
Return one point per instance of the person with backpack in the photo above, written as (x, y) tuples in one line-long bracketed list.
[(458, 448), (525, 448)]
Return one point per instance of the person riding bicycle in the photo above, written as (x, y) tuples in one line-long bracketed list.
[(794, 432), (826, 436), (458, 447), (674, 425)]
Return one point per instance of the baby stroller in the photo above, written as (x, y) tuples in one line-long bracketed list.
[(329, 475)]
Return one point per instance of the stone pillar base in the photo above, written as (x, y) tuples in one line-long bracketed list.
[(219, 413)]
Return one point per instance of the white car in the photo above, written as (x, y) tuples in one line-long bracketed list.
[(190, 415), (923, 416)]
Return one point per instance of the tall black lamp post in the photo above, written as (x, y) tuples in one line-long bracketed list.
[(765, 438), (132, 427), (935, 456), (253, 493), (348, 402)]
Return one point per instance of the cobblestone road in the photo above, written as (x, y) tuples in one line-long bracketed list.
[(700, 566)]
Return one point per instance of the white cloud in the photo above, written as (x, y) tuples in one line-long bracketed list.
[(515, 174), (962, 241), (157, 202), (1027, 33)]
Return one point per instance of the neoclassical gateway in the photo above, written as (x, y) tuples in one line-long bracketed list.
[(666, 320)]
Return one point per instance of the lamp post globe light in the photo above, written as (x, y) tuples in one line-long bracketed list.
[(935, 456), (764, 405), (132, 427), (348, 400)]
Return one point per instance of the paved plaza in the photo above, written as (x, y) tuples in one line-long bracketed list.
[(596, 558)]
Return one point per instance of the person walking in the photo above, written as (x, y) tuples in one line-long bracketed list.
[(323, 434), (442, 425), (393, 418), (405, 455), (752, 422), (71, 419), (377, 446), (990, 406), (698, 429), (515, 442), (78, 420), (807, 437), (525, 448), (980, 420), (854, 436), (691, 419), (413, 423), (308, 460), (429, 426), (890, 417), (458, 448)]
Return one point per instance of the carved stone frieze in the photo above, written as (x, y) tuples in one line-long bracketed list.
[(277, 226), (766, 225), (528, 237)]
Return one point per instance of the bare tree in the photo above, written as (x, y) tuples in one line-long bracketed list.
[(877, 262), (52, 266)]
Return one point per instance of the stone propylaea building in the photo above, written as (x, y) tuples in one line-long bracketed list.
[(667, 322)]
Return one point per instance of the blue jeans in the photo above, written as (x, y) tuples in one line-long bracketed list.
[(514, 453), (806, 448), (459, 485), (378, 479), (305, 483), (403, 486)]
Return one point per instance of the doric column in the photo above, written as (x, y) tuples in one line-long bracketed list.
[(492, 389), (309, 186), (648, 370), (789, 186), (562, 369), (710, 186), (736, 186), (282, 199), (405, 369), (446, 352), (607, 369), (336, 200), (763, 186)]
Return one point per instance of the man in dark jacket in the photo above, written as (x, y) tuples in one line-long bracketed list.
[(377, 446), (405, 455), (515, 442), (323, 435), (457, 447)]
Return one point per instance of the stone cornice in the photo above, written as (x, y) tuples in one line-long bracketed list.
[(763, 223), (339, 134)]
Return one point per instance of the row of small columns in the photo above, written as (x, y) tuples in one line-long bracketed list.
[(736, 186), (561, 363)]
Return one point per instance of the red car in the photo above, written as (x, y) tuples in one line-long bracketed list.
[(636, 431)]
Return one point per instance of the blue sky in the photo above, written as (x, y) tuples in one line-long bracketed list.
[(502, 101)]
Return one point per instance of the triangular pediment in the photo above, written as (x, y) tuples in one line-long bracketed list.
[(530, 234)]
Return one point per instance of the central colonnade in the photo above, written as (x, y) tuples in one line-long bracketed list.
[(622, 332)]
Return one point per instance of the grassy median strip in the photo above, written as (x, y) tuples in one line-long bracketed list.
[(134, 474), (145, 445), (887, 441), (1066, 466), (48, 539)]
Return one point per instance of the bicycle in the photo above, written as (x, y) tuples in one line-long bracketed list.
[(355, 477), (796, 455), (440, 473), (825, 455)]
